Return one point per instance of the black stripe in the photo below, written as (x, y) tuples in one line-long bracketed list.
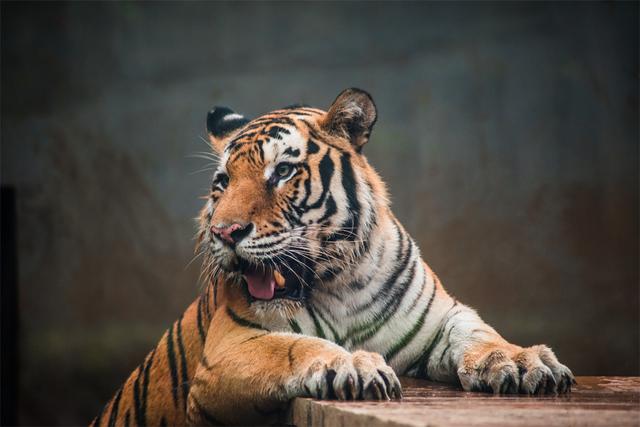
[(295, 327), (319, 331), (183, 361), (336, 293), (330, 272), (312, 147), (330, 209), (325, 169), (199, 320), (444, 352), (392, 304), (255, 337), (399, 292), (336, 337), (171, 356), (396, 296), (145, 389), (275, 131), (419, 295), (136, 398), (307, 186), (163, 422), (292, 219), (127, 419), (394, 292), (448, 338), (304, 114), (422, 362), (350, 188), (292, 152), (238, 154), (258, 125), (259, 143), (359, 285), (368, 226), (244, 322), (239, 141), (269, 119), (297, 209), (401, 254), (409, 336), (207, 298), (313, 134), (114, 409), (215, 299)]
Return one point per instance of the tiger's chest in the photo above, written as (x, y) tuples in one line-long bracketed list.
[(396, 327)]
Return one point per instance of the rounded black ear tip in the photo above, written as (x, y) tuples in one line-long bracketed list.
[(218, 112), (214, 116), (222, 120)]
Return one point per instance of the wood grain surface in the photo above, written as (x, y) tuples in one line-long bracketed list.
[(595, 401)]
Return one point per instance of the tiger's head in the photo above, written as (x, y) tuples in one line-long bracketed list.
[(293, 200)]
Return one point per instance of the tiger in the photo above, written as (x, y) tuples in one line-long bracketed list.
[(313, 288)]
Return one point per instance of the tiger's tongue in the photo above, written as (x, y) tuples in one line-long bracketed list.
[(261, 285)]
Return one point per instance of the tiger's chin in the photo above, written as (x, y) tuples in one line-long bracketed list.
[(276, 312)]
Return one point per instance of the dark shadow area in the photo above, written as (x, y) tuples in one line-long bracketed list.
[(9, 328)]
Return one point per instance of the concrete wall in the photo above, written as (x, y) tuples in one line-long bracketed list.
[(508, 134)]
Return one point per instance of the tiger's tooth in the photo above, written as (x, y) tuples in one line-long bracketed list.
[(279, 279)]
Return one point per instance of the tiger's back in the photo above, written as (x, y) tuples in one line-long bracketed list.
[(156, 391)]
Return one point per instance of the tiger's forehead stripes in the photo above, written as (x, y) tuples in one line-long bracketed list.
[(281, 133)]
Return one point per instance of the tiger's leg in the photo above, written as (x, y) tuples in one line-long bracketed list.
[(467, 348), (248, 374)]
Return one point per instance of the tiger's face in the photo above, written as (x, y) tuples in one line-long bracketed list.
[(292, 200)]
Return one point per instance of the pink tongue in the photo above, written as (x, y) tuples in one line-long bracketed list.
[(261, 286)]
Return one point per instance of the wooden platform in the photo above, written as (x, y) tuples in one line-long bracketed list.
[(601, 401)]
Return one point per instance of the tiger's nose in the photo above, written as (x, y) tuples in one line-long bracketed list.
[(233, 233)]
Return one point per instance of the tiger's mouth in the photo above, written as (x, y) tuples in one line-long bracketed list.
[(268, 283)]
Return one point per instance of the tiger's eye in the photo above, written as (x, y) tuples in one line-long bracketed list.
[(283, 170), (224, 181), (221, 181)]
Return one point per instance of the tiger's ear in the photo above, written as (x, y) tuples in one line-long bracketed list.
[(222, 123), (352, 116)]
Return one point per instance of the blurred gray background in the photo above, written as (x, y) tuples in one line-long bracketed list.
[(507, 132)]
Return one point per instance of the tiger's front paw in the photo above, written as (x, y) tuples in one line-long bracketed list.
[(361, 375), (377, 379), (511, 369)]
